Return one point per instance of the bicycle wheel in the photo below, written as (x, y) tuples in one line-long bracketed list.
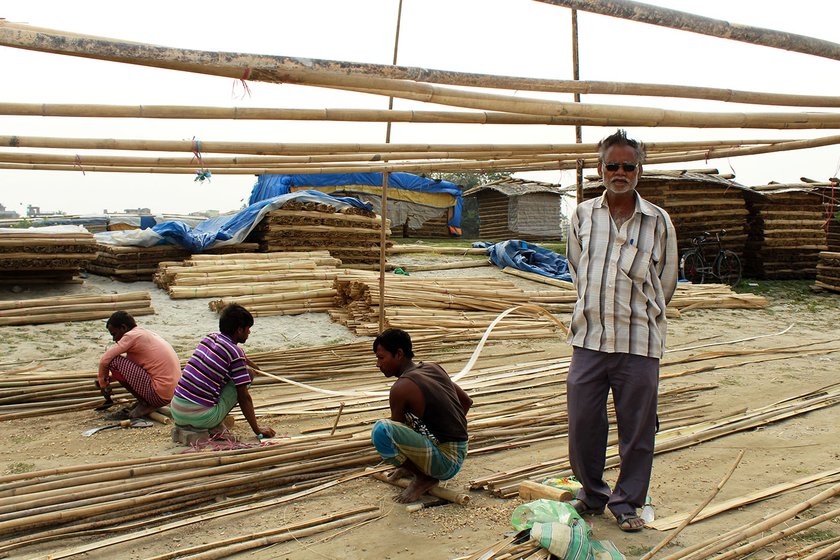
[(728, 268), (691, 267)]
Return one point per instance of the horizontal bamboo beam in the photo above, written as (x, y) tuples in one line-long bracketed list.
[(32, 38), (257, 68), (684, 21)]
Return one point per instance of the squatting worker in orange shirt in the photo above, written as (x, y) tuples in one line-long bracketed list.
[(143, 362)]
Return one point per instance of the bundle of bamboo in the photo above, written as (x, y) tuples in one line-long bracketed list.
[(131, 264), (434, 305), (687, 297), (828, 271), (352, 235), (72, 308), (282, 283), (32, 257), (786, 233), (697, 202)]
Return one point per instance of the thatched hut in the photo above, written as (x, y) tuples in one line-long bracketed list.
[(697, 201), (519, 209)]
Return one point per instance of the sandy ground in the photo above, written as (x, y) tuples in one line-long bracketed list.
[(776, 453)]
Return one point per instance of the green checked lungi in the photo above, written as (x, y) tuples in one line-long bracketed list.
[(396, 442)]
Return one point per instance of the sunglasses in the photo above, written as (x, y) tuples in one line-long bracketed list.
[(628, 167)]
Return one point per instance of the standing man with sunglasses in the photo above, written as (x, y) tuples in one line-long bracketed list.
[(622, 253)]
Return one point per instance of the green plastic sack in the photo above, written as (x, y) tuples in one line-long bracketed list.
[(542, 511), (569, 542)]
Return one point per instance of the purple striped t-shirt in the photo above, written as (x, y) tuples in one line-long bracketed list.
[(216, 362)]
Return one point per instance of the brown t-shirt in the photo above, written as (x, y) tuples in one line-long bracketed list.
[(443, 415)]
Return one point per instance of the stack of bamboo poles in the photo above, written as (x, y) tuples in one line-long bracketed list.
[(828, 271), (687, 297), (696, 202), (62, 309), (131, 264), (30, 257), (786, 233), (267, 283), (433, 305), (351, 235)]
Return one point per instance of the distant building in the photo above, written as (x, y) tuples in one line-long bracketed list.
[(141, 211), (7, 213)]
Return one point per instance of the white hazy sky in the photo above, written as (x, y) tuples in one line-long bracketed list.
[(510, 37)]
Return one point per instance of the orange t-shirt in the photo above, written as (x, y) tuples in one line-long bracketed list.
[(153, 354)]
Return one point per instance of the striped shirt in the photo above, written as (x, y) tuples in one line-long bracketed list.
[(624, 278), (216, 362)]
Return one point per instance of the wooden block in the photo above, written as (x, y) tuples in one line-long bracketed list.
[(530, 490)]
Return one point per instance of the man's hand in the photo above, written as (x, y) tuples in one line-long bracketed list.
[(266, 432)]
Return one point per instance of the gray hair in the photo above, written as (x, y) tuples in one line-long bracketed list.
[(620, 139)]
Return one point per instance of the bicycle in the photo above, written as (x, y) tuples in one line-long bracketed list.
[(726, 267)]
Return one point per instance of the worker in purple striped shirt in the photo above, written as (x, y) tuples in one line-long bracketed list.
[(216, 377), (622, 254)]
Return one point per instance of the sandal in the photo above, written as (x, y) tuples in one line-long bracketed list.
[(583, 509), (625, 522)]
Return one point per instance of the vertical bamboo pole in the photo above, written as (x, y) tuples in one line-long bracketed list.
[(383, 237), (578, 128)]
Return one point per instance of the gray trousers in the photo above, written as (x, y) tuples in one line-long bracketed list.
[(634, 381)]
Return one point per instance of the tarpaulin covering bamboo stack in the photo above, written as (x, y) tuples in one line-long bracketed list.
[(44, 255), (60, 309), (132, 263), (787, 232), (352, 235), (698, 201)]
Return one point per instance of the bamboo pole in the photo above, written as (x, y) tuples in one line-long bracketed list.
[(27, 37), (697, 510), (436, 491), (675, 19)]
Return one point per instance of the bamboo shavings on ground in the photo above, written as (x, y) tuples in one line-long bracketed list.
[(61, 309)]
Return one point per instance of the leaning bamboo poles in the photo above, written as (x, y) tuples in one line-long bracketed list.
[(72, 308)]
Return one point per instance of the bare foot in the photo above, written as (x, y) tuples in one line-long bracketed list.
[(421, 484), (399, 473)]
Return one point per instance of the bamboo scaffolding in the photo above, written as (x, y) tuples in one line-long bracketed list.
[(685, 21), (28, 37)]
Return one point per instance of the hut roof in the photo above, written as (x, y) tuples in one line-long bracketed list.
[(516, 187), (669, 176)]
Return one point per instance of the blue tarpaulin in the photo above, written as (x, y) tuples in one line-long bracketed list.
[(222, 230), (270, 185), (528, 257)]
